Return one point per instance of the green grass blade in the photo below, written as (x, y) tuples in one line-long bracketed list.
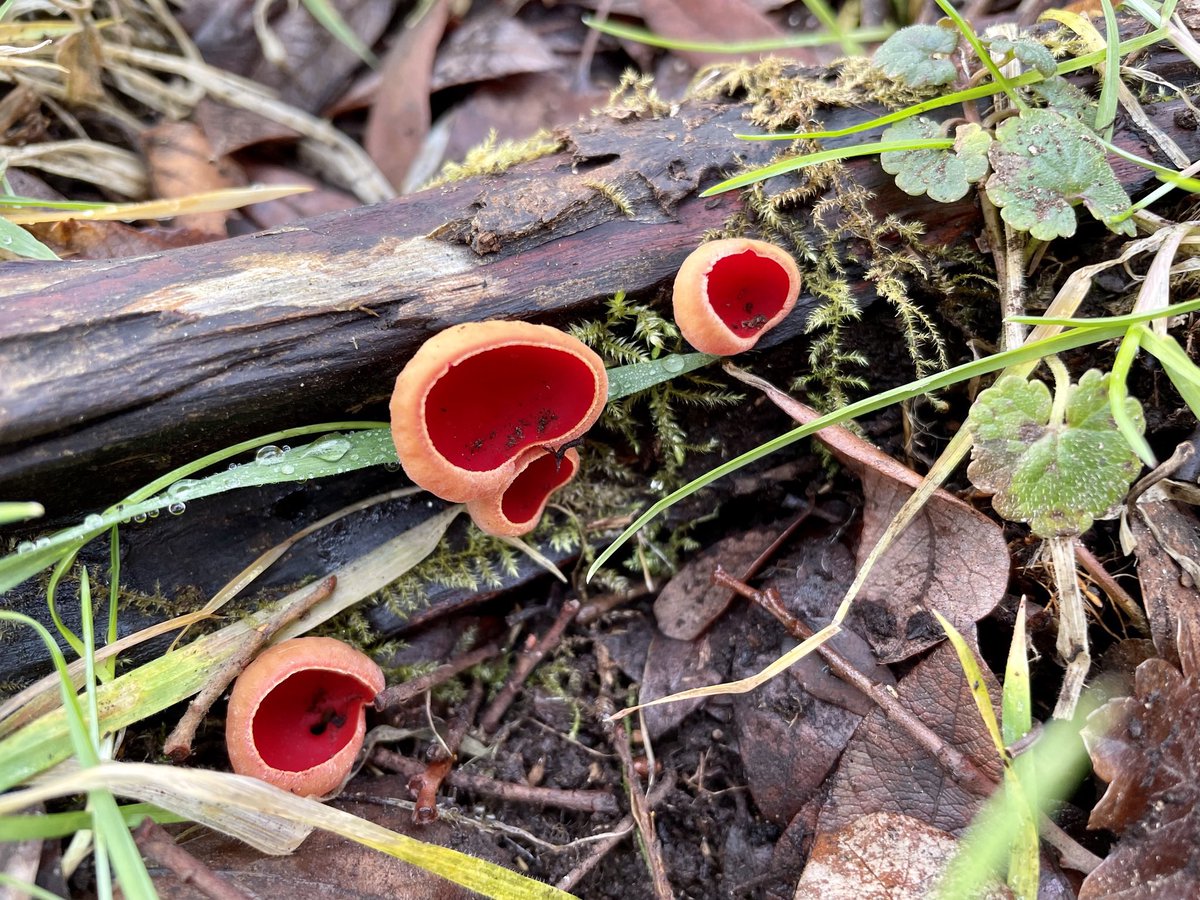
[(636, 377), (1177, 364), (18, 886), (1118, 394), (825, 15), (1068, 340), (1125, 321), (1110, 80), (650, 39), (1162, 172), (812, 159), (981, 52), (975, 681), (19, 511), (42, 826), (331, 20), (20, 242), (1016, 708)]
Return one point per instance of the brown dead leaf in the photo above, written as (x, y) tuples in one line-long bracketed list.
[(690, 602), (488, 47), (879, 856), (399, 120), (884, 770), (80, 239), (673, 666), (951, 558), (720, 21), (230, 129), (320, 200), (80, 55), (317, 65), (1168, 554), (1145, 746), (181, 162)]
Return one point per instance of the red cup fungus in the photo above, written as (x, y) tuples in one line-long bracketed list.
[(728, 293), (475, 397), (296, 715), (518, 508)]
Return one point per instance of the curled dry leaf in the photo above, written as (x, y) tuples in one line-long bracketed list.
[(1145, 747), (951, 558), (883, 769)]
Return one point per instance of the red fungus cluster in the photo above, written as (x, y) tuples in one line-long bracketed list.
[(483, 410), (296, 715), (729, 293)]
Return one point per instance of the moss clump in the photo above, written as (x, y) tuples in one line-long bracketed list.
[(494, 157)]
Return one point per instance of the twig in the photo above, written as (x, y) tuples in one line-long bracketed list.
[(424, 785), (1117, 594), (640, 810), (594, 802), (959, 766), (605, 845), (399, 694), (525, 664), (179, 742), (156, 843)]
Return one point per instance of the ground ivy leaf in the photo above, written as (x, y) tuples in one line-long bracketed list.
[(1042, 162), (1028, 52), (1058, 477), (918, 55), (945, 175), (1064, 97)]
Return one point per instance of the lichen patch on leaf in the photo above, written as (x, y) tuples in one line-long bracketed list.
[(1044, 162), (1057, 476), (945, 175)]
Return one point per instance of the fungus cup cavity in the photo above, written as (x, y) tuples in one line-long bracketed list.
[(518, 508), (296, 715), (729, 293), (476, 396)]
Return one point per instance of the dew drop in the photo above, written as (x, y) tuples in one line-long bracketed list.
[(673, 364), (330, 449), (288, 469), (140, 518), (182, 487), (93, 521), (267, 456), (177, 508), (25, 547), (41, 543), (392, 466)]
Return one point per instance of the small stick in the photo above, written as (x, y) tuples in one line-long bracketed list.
[(179, 743), (1117, 594), (960, 767), (154, 841), (425, 784), (525, 664), (639, 808), (594, 802), (399, 694)]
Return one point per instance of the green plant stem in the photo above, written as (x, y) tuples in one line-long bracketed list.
[(817, 39), (1062, 390), (982, 53)]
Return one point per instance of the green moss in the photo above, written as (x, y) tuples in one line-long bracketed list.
[(494, 157), (635, 97)]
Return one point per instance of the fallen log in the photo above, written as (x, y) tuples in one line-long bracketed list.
[(113, 369)]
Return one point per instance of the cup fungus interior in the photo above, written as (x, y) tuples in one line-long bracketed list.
[(746, 291), (525, 496), (490, 406), (308, 717)]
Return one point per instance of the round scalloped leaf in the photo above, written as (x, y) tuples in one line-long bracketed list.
[(1028, 52), (1042, 162), (1058, 477), (919, 55), (946, 175)]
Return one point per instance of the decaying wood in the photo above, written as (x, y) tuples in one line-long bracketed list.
[(114, 369)]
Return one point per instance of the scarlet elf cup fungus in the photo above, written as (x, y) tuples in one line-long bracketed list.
[(729, 293), (520, 506), (296, 715), (475, 398)]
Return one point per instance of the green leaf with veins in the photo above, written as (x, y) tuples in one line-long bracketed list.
[(1027, 51), (918, 55), (1062, 96), (945, 175), (1042, 162), (1057, 476)]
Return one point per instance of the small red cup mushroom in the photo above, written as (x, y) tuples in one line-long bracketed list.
[(477, 395), (296, 715), (729, 293), (519, 507)]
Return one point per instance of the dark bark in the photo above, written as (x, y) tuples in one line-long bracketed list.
[(117, 370)]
